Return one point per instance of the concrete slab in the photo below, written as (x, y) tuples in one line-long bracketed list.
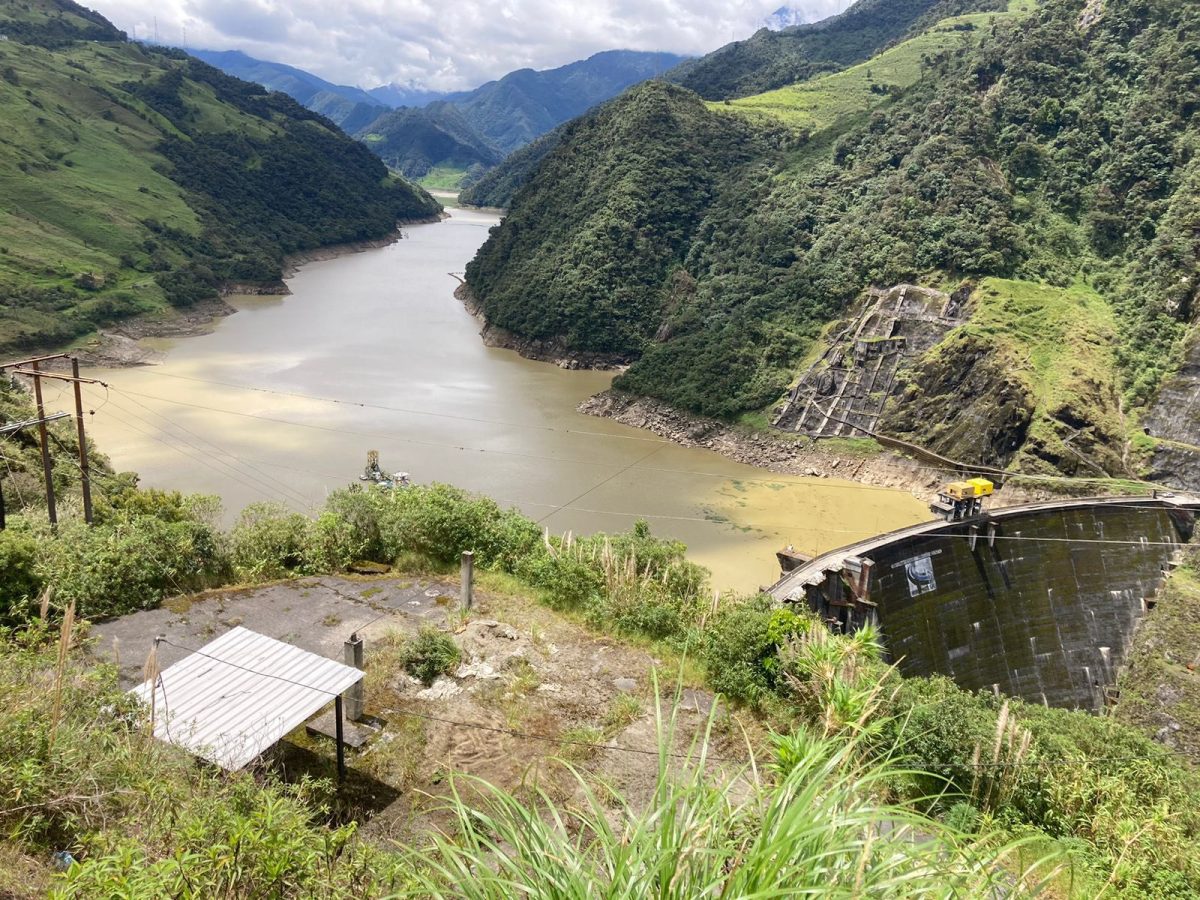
[(353, 734), (316, 614)]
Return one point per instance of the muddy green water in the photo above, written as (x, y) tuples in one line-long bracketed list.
[(382, 329)]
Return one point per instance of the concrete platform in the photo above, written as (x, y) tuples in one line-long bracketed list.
[(353, 734)]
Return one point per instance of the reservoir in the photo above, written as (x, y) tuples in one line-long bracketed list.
[(372, 351)]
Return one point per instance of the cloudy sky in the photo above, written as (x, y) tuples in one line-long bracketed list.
[(443, 44)]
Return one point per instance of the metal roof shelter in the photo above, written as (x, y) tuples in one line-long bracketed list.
[(239, 694)]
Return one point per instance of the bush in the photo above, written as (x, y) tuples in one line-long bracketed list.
[(20, 583), (130, 564), (269, 541), (429, 654), (741, 650)]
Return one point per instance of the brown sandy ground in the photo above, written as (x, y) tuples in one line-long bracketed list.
[(571, 695)]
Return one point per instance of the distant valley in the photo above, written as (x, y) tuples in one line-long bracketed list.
[(452, 139)]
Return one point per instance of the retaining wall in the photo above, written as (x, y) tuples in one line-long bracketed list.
[(1039, 602)]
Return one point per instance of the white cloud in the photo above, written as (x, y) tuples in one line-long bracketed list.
[(443, 45)]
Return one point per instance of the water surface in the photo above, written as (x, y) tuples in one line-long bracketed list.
[(247, 413)]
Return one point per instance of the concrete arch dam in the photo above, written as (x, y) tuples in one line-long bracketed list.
[(1038, 601)]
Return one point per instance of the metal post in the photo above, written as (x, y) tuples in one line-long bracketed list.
[(467, 574), (1, 504), (45, 441), (354, 696), (341, 747), (83, 457)]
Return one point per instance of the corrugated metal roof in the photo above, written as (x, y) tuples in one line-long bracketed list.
[(239, 694)]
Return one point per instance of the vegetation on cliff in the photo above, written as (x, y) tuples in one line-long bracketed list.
[(138, 177), (1040, 146)]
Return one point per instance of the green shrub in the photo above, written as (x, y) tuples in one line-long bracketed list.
[(429, 654), (740, 654), (269, 541), (20, 582), (129, 564)]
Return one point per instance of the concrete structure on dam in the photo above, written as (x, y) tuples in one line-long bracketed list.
[(1037, 601)]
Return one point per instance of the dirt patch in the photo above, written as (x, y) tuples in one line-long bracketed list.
[(531, 690)]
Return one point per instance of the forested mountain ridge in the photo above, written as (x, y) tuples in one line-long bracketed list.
[(771, 59), (350, 108), (766, 61), (525, 104), (415, 141), (136, 178), (1045, 158)]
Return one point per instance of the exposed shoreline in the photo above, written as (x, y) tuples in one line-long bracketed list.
[(784, 454), (118, 346), (551, 351)]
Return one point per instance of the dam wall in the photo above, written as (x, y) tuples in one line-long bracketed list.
[(1038, 601)]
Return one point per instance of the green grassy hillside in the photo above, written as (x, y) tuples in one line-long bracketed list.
[(1049, 151), (773, 59), (133, 178)]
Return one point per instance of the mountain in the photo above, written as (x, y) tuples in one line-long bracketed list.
[(526, 104), (416, 141), (396, 95), (472, 132), (137, 177), (496, 187), (772, 59), (350, 108), (1034, 162), (464, 131), (768, 60), (787, 17)]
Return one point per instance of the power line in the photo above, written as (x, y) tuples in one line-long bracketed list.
[(781, 480), (556, 508), (417, 412), (599, 484), (231, 473), (945, 470), (279, 484)]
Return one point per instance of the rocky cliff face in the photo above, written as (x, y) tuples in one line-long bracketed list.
[(965, 401), (1173, 421)]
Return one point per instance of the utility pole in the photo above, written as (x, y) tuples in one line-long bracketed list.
[(12, 429), (44, 437), (85, 476)]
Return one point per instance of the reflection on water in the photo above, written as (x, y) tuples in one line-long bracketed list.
[(372, 351)]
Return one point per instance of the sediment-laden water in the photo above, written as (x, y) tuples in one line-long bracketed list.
[(236, 413)]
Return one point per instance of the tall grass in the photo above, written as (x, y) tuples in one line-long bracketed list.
[(812, 823)]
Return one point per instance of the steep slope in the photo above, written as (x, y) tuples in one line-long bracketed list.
[(135, 177), (772, 59), (525, 104), (350, 108), (498, 185), (414, 141), (1037, 159), (609, 215)]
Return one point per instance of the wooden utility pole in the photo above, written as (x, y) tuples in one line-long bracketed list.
[(86, 479), (44, 438), (42, 419)]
